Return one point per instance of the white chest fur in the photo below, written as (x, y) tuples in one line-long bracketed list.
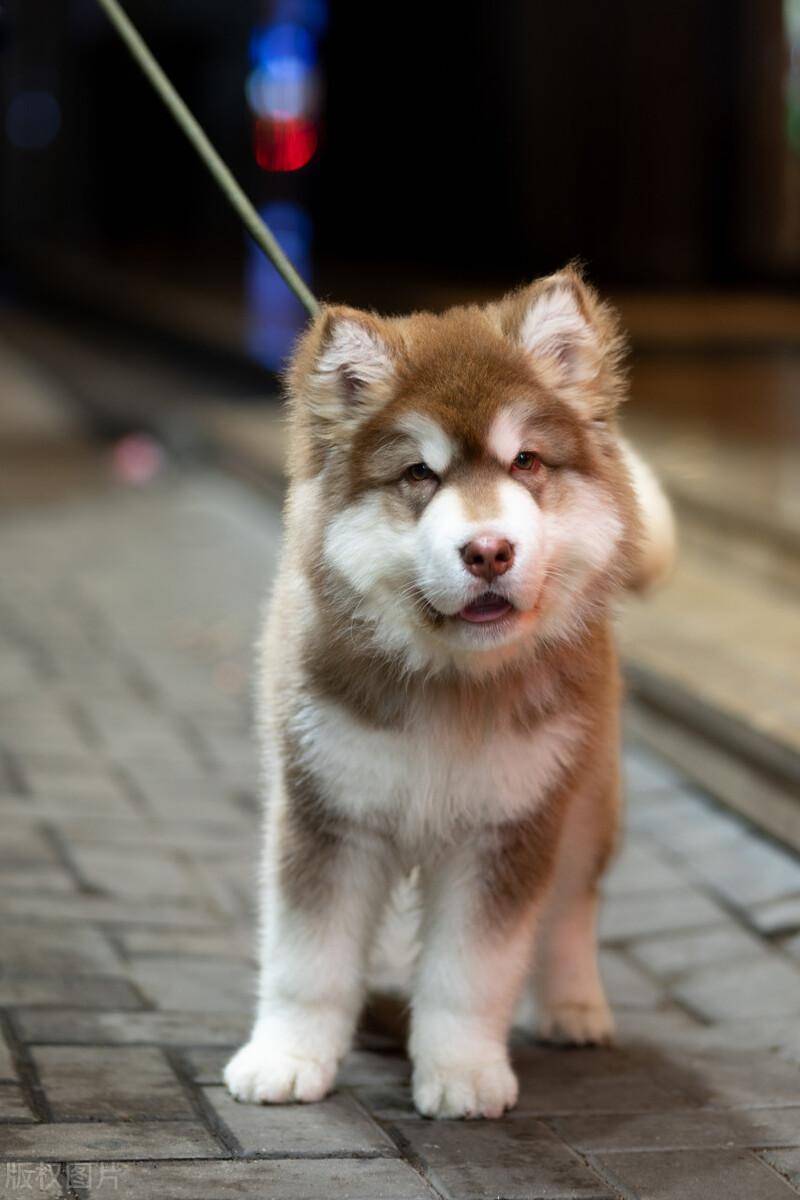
[(429, 782)]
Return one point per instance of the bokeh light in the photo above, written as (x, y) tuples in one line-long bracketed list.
[(275, 315), (283, 89), (136, 459)]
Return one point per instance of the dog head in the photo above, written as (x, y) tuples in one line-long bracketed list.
[(462, 473)]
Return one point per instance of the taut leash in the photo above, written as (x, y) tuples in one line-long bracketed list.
[(257, 229)]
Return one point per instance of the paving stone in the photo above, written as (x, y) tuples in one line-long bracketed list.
[(781, 916), (730, 990), (639, 869), (678, 953), (645, 771), (78, 991), (254, 1179), (24, 844), (778, 1036), (363, 1068), (56, 811), (750, 871), (188, 943), (188, 913), (116, 872), (388, 1102), (40, 725), (37, 877), (656, 1026), (46, 950), (334, 1126), (787, 1162), (515, 1159), (190, 984), (101, 1083), (13, 1105), (216, 838), (694, 1175), (656, 912), (136, 734), (689, 1129), (626, 985), (732, 1078), (604, 1079), (196, 795), (205, 1064), (71, 1026), (57, 787), (6, 1061), (687, 823), (84, 1141)]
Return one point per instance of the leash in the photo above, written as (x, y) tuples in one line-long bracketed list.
[(258, 230)]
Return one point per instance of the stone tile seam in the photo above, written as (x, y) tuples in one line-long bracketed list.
[(736, 914), (758, 1154), (27, 1075), (403, 1147)]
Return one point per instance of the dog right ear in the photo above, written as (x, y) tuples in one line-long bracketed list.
[(345, 366)]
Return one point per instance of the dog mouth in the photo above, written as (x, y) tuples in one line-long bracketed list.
[(489, 606)]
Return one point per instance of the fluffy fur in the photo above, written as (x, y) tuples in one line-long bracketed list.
[(470, 764)]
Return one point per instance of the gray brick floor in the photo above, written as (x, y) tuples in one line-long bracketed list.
[(128, 809)]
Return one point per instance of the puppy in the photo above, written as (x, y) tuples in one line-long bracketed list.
[(439, 688)]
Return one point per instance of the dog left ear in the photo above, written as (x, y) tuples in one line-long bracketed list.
[(571, 339), (354, 355)]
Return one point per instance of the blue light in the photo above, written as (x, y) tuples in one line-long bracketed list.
[(275, 315), (286, 40)]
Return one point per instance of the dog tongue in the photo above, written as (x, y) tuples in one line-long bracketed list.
[(488, 607)]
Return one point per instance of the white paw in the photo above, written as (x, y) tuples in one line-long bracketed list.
[(576, 1024), (260, 1073), (480, 1089)]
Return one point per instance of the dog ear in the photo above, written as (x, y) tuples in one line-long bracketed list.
[(354, 364), (571, 340)]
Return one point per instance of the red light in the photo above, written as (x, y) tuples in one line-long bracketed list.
[(284, 145)]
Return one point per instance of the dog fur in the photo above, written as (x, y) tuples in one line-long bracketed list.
[(444, 793)]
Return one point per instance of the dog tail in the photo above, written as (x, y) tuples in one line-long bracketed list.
[(658, 544)]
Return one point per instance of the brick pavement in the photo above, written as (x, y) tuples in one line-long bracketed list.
[(126, 886)]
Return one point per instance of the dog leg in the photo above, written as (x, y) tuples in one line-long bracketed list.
[(472, 965), (320, 903), (570, 1001)]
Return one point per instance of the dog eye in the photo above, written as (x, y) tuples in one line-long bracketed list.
[(418, 472), (526, 460)]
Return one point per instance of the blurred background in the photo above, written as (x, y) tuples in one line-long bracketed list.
[(423, 155)]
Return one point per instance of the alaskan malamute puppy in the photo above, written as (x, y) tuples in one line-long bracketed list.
[(439, 688)]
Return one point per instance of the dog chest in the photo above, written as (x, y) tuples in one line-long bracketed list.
[(429, 779)]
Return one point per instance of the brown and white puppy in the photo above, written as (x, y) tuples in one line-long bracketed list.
[(439, 687)]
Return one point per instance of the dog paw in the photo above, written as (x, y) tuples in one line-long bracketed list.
[(466, 1090), (576, 1024), (261, 1074)]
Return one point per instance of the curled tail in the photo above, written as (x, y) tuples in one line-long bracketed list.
[(659, 540)]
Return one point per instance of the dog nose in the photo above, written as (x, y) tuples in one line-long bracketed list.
[(487, 557)]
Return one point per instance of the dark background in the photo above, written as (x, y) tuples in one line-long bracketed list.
[(463, 147)]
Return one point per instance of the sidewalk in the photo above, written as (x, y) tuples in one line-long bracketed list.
[(129, 817)]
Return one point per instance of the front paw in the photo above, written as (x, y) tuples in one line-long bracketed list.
[(260, 1073), (576, 1024), (465, 1089)]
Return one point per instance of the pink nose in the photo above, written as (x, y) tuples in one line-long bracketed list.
[(487, 557)]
